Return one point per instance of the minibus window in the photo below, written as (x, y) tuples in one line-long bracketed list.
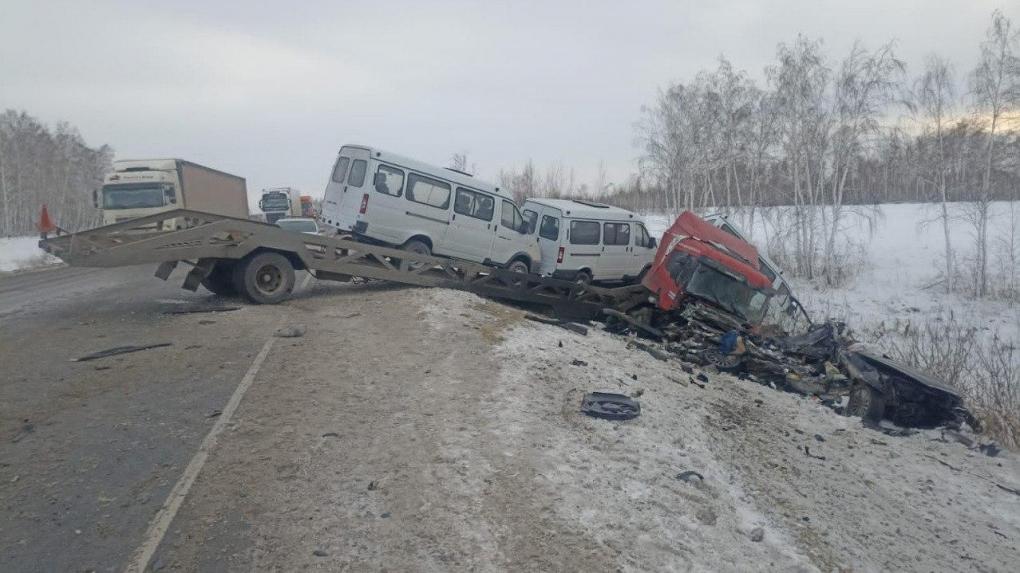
[(617, 234), (550, 228), (357, 177), (427, 191), (642, 239), (340, 169), (389, 180), (532, 218), (511, 217), (584, 233)]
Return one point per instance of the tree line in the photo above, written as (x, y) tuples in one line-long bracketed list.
[(824, 138), (55, 167)]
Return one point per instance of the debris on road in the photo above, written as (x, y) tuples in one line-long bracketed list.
[(610, 406), (757, 534), (576, 362), (119, 350), (690, 476), (569, 325), (296, 331)]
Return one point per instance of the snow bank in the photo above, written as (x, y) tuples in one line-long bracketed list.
[(19, 253)]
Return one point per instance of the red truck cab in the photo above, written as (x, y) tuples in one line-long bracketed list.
[(697, 259)]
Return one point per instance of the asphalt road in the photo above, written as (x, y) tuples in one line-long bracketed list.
[(89, 450)]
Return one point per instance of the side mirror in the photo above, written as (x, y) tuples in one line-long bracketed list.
[(95, 198), (170, 196), (261, 202), (651, 243)]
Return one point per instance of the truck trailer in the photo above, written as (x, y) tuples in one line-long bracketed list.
[(142, 187)]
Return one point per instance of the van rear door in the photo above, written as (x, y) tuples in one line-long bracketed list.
[(346, 187)]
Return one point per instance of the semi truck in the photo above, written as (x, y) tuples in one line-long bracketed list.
[(142, 187), (280, 202)]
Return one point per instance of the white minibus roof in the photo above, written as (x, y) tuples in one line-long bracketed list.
[(581, 209)]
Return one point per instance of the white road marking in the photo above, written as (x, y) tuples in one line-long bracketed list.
[(161, 522)]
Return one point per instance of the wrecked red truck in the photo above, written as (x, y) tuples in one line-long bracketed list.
[(711, 304)]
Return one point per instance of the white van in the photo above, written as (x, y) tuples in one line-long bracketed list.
[(586, 241), (385, 198)]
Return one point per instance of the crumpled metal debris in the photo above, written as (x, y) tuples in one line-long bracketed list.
[(610, 406), (825, 362)]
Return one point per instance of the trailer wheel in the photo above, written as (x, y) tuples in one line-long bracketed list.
[(266, 278), (221, 280), (582, 277)]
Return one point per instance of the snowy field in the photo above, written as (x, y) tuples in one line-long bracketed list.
[(20, 253), (900, 283)]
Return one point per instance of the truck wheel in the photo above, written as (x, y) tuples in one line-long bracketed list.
[(518, 266), (418, 247), (266, 278), (866, 402), (221, 280), (582, 277)]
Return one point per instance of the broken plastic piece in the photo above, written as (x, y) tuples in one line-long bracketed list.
[(610, 406)]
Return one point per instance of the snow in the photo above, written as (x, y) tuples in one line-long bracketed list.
[(20, 253), (876, 502)]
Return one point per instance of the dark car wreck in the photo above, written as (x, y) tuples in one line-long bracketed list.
[(711, 305)]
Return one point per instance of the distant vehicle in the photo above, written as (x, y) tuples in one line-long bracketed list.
[(586, 241), (392, 200), (307, 206), (140, 187), (299, 225), (280, 202)]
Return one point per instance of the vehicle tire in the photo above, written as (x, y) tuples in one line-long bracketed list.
[(265, 278), (518, 266), (414, 246), (221, 280), (865, 402), (582, 277)]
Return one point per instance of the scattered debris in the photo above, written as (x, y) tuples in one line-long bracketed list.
[(201, 309), (637, 393), (807, 452), (757, 534), (819, 438), (701, 376), (214, 414), (576, 362), (610, 406), (331, 435), (296, 331), (571, 326), (352, 315), (373, 485), (101, 367), (320, 553), (119, 350), (26, 429), (690, 476)]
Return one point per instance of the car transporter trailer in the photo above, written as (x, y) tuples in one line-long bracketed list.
[(257, 260)]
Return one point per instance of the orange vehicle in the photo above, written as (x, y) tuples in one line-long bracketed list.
[(697, 259), (307, 207)]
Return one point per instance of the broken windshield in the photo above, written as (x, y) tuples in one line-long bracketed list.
[(132, 197), (728, 292)]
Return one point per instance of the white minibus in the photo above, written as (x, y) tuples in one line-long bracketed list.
[(385, 198), (586, 241)]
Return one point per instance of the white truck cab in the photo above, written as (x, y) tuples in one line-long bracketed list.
[(385, 198), (587, 241)]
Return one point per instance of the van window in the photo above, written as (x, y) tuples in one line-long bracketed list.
[(550, 228), (617, 234), (766, 270), (428, 191), (340, 169), (584, 233), (389, 180), (510, 217), (477, 205), (532, 218), (357, 177), (642, 239)]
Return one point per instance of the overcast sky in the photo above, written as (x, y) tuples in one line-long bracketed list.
[(270, 91)]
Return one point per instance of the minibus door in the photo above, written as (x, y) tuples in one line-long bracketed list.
[(352, 190), (549, 235), (616, 256)]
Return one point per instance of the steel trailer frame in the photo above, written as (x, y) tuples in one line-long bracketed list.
[(204, 240)]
